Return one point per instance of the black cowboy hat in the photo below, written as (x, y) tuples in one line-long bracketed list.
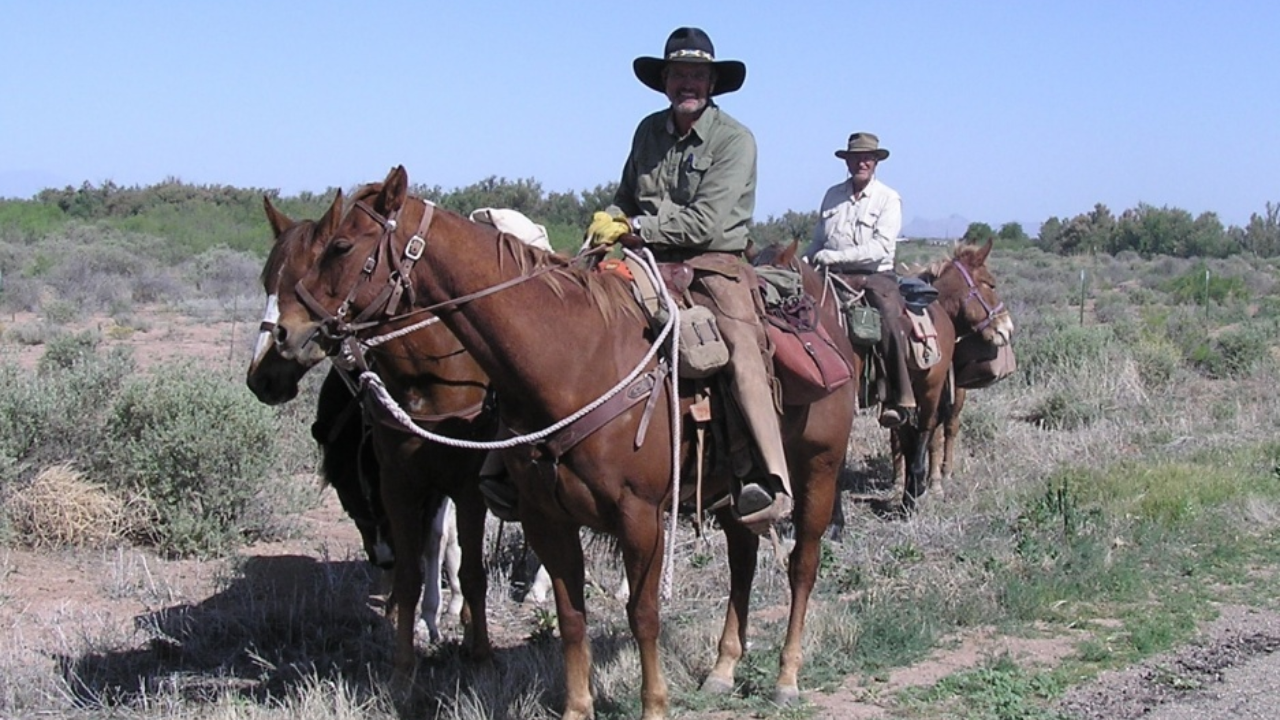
[(691, 45)]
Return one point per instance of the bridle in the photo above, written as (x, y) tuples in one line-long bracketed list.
[(340, 333), (335, 327), (992, 312)]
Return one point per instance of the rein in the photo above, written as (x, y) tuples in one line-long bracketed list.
[(992, 312)]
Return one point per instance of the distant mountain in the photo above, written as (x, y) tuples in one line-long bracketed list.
[(948, 228)]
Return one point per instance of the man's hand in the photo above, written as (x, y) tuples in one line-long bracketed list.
[(826, 257), (605, 229)]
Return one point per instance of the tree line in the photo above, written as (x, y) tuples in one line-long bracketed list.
[(196, 217)]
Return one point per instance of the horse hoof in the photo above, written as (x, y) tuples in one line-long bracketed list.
[(786, 696), (717, 686)]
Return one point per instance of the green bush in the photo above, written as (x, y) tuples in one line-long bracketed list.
[(56, 416), (66, 350), (1054, 350), (1065, 411), (198, 447), (1233, 353), (1157, 360)]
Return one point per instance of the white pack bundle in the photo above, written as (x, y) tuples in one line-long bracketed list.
[(514, 223)]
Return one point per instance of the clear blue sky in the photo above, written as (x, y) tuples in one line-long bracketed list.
[(994, 111)]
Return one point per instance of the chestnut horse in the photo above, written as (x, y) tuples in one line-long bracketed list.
[(967, 304), (554, 338), (383, 467)]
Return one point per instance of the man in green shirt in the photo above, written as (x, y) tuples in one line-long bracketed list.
[(687, 191)]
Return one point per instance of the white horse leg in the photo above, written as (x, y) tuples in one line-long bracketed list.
[(451, 557), (430, 561), (541, 587)]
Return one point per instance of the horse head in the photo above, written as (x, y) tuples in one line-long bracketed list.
[(967, 289), (272, 377), (350, 267)]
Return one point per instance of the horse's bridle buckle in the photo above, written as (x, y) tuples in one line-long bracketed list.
[(413, 249)]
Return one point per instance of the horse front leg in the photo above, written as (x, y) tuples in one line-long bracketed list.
[(406, 517), (951, 435), (915, 450), (470, 507), (937, 448), (642, 553), (744, 546), (812, 515), (561, 549)]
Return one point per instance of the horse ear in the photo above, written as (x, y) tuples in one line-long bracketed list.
[(981, 257), (278, 220), (327, 226), (394, 190), (788, 256)]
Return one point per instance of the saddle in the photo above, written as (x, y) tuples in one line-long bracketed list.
[(807, 362)]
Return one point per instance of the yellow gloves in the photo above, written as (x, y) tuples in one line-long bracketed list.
[(605, 229)]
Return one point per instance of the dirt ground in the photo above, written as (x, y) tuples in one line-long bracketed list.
[(1231, 671)]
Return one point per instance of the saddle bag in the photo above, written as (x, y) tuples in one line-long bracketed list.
[(979, 364), (806, 361), (702, 349), (922, 343), (863, 323)]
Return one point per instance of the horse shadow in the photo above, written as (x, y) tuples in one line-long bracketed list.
[(282, 621), (282, 626), (868, 480)]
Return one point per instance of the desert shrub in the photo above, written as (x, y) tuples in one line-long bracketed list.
[(1193, 287), (1065, 411), (57, 414), (67, 350), (31, 334), (20, 294), (159, 286), (1233, 353), (199, 448), (1157, 360), (1268, 307), (1063, 348), (220, 272), (60, 311), (1112, 307)]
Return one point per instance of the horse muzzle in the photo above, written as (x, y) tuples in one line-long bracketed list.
[(300, 344)]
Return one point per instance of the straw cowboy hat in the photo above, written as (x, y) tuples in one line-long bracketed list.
[(861, 142), (690, 45)]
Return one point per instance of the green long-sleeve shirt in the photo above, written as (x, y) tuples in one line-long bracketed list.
[(695, 192)]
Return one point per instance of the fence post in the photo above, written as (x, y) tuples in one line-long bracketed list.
[(1206, 296), (1082, 296)]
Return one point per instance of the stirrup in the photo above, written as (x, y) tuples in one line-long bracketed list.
[(761, 520)]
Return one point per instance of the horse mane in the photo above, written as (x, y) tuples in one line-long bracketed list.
[(961, 252), (612, 298)]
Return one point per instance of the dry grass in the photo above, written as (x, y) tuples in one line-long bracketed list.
[(60, 508)]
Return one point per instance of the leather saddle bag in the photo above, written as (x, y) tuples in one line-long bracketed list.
[(806, 361)]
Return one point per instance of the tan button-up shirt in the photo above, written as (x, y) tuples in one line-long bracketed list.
[(857, 233)]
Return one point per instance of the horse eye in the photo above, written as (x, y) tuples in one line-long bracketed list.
[(339, 246)]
